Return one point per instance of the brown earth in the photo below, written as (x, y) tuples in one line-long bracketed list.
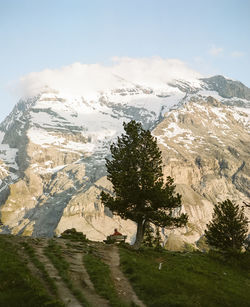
[(110, 256), (73, 253)]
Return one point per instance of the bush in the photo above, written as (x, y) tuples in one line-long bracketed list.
[(74, 235)]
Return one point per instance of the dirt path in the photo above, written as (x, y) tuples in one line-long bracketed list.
[(79, 275), (34, 270), (110, 256), (63, 292), (73, 254)]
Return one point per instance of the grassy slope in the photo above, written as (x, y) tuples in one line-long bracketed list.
[(100, 276), (54, 253), (40, 266), (17, 286), (187, 279)]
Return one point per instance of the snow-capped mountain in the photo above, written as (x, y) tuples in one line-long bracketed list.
[(53, 149)]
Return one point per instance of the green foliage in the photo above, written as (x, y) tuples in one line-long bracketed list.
[(228, 229), (18, 288), (157, 240), (100, 276), (151, 238), (148, 236), (74, 235), (187, 279), (140, 194)]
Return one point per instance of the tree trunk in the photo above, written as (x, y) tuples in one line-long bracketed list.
[(139, 234)]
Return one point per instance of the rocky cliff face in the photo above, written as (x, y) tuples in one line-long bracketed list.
[(205, 146), (52, 156)]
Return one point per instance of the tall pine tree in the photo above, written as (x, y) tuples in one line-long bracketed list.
[(139, 192)]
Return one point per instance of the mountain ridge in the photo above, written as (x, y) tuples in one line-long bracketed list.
[(61, 144)]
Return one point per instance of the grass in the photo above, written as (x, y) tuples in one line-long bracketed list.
[(53, 252), (18, 288), (100, 276), (187, 279), (40, 266)]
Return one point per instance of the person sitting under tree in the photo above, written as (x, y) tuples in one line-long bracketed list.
[(115, 237), (116, 233)]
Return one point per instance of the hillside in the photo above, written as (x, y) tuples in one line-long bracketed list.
[(66, 272)]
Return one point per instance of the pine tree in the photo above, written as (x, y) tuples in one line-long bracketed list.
[(228, 229), (148, 236), (157, 240), (139, 192)]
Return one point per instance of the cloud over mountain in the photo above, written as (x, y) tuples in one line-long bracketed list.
[(87, 79)]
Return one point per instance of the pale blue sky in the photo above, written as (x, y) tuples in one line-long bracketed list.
[(212, 37)]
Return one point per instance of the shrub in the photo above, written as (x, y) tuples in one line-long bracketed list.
[(74, 235)]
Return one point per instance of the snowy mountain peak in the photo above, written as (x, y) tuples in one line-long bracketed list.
[(54, 144)]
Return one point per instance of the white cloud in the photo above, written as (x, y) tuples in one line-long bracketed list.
[(88, 79), (215, 51), (237, 54)]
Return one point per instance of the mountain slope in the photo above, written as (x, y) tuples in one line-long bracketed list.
[(54, 147)]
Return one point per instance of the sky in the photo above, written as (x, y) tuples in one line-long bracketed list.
[(208, 37)]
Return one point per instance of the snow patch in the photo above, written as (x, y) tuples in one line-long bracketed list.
[(174, 130), (219, 113)]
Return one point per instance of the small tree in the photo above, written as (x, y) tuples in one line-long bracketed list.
[(139, 190), (228, 229), (157, 239), (148, 236)]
